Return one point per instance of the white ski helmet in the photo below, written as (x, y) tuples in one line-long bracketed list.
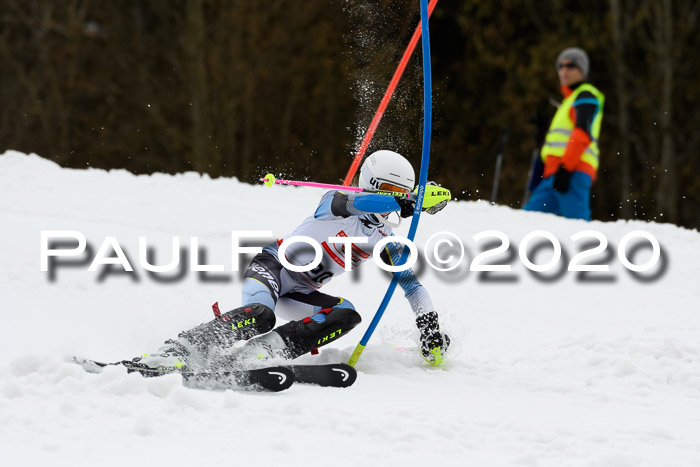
[(384, 169), (387, 170)]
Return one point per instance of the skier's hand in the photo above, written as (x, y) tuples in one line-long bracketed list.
[(407, 206), (433, 343), (434, 200), (561, 180)]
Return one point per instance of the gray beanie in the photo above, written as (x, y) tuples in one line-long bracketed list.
[(577, 56)]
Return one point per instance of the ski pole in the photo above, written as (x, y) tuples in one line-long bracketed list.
[(499, 162), (432, 195), (385, 100), (422, 180), (271, 180)]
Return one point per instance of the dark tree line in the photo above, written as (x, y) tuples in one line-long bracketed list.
[(240, 88)]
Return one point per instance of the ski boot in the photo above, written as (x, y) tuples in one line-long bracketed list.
[(171, 357), (296, 338)]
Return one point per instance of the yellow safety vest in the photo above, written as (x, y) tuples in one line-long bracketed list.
[(561, 127)]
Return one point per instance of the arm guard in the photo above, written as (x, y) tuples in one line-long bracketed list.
[(336, 204)]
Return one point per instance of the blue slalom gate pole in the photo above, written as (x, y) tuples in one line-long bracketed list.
[(422, 180)]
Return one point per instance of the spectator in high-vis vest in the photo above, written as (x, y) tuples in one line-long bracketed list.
[(570, 152)]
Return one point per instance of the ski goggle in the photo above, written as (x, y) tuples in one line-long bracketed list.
[(394, 188)]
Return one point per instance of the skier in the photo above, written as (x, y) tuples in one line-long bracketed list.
[(339, 213)]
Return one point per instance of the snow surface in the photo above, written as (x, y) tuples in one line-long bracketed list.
[(558, 373)]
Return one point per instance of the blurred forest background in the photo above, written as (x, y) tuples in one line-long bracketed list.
[(240, 88)]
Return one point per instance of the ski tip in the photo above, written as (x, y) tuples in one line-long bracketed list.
[(91, 366)]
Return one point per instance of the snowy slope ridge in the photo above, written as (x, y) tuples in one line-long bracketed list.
[(559, 372)]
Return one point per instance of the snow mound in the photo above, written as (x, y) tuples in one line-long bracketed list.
[(551, 369)]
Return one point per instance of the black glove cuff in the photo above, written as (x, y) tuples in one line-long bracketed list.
[(562, 180), (427, 323), (407, 206)]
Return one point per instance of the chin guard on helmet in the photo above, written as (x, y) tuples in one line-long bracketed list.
[(435, 197)]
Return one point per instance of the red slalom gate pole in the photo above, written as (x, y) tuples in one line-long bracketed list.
[(385, 100)]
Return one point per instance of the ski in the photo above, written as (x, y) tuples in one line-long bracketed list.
[(274, 378), (337, 375)]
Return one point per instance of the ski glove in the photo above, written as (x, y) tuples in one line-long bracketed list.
[(431, 338), (407, 206), (561, 180), (432, 189)]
